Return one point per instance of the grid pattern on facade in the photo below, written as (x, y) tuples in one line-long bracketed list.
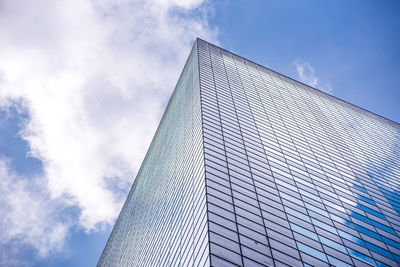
[(163, 221), (251, 168), (294, 176)]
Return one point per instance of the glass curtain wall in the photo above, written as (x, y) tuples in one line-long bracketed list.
[(294, 176), (163, 221)]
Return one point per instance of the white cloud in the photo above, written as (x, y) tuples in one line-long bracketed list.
[(94, 77), (307, 75), (28, 217)]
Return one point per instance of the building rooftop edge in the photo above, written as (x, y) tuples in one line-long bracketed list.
[(397, 123)]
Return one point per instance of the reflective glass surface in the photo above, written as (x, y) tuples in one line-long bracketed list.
[(163, 221), (294, 176), (251, 168)]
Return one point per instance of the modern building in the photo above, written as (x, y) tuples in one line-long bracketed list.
[(251, 168)]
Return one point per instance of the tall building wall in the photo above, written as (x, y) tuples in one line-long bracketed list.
[(251, 168), (163, 221), (294, 176)]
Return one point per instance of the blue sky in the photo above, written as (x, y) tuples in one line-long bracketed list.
[(83, 87), (352, 45)]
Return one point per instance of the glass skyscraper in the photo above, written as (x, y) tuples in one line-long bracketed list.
[(251, 168)]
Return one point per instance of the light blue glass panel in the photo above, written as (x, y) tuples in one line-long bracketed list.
[(362, 257), (303, 231), (332, 244), (351, 238), (311, 251), (297, 214), (337, 262)]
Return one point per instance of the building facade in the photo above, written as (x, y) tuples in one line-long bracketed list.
[(251, 168)]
